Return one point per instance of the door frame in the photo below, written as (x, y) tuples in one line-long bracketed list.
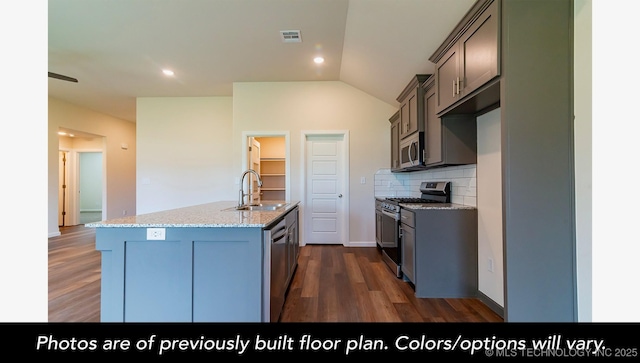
[(344, 232), (73, 183), (287, 150)]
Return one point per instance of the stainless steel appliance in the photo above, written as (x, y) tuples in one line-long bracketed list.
[(275, 271), (388, 220), (412, 152)]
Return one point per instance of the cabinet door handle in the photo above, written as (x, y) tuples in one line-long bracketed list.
[(457, 85)]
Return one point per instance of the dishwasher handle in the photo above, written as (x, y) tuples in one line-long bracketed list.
[(279, 233)]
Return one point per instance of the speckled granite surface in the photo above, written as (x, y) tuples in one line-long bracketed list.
[(203, 215), (416, 206)]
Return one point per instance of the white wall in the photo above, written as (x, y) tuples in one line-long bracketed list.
[(91, 181), (184, 152), (583, 147), (489, 188), (310, 106), (119, 164)]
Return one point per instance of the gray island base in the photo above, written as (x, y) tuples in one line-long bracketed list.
[(206, 263)]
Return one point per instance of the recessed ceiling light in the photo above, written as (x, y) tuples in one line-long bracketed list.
[(72, 135), (318, 60), (167, 72), (61, 133)]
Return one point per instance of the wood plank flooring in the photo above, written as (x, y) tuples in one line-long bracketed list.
[(74, 276), (332, 284), (352, 284)]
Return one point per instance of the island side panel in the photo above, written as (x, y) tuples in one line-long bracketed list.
[(227, 275), (195, 274), (157, 284), (110, 243)]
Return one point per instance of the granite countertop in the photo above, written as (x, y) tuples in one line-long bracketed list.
[(417, 206), (203, 215)]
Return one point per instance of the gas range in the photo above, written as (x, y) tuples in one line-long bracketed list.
[(431, 192), (388, 220)]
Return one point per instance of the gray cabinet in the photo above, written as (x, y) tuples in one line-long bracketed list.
[(395, 140), (449, 140), (473, 58), (445, 252), (407, 244), (411, 107)]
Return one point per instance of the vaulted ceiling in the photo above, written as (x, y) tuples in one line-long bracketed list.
[(117, 49)]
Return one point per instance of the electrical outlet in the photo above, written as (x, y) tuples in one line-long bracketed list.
[(490, 264), (156, 234)]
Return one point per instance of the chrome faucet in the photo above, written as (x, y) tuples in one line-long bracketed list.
[(242, 194)]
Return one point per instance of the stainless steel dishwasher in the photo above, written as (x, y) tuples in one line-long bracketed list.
[(275, 271)]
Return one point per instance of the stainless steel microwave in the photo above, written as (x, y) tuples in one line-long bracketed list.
[(412, 153)]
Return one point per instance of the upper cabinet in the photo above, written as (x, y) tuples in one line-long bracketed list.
[(411, 107), (469, 57), (395, 141), (449, 140)]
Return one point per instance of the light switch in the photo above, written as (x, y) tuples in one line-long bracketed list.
[(363, 180)]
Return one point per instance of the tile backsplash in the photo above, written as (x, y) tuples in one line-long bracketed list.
[(407, 184)]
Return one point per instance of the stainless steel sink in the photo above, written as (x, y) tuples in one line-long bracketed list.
[(259, 207)]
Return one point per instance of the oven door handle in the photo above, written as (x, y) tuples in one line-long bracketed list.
[(392, 215)]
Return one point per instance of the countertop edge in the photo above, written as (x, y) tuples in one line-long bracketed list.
[(215, 215), (427, 206)]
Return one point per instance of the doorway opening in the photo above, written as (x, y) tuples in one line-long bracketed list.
[(268, 155), (81, 192)]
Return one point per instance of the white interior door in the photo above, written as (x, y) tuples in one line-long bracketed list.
[(325, 189), (254, 163)]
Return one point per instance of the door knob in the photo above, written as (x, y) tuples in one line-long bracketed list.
[(339, 195)]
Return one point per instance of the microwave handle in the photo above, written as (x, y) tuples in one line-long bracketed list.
[(409, 152)]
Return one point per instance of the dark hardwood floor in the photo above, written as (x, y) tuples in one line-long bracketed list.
[(352, 284), (332, 284)]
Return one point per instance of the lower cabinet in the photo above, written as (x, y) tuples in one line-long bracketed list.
[(440, 252), (407, 244)]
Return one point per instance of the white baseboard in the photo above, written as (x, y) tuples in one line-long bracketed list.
[(54, 234), (361, 244)]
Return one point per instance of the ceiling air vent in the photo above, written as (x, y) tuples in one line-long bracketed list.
[(290, 36)]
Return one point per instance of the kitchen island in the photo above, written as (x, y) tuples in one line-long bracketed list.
[(205, 263)]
